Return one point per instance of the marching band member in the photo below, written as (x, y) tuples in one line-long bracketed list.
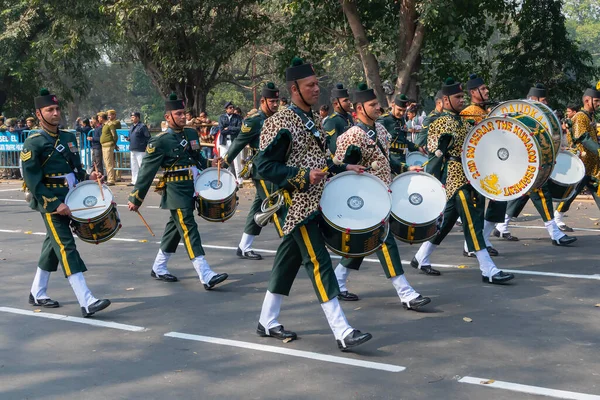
[(250, 135), (583, 137), (445, 137), (341, 120), (367, 143), (476, 112), (177, 151), (49, 179), (541, 198), (293, 156)]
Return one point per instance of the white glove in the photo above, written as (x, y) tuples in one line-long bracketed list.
[(195, 172), (71, 180)]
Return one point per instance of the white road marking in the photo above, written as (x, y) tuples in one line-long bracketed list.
[(543, 227), (289, 352), (372, 260), (15, 200), (86, 321), (516, 387), (9, 190)]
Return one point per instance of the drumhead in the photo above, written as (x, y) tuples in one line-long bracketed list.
[(87, 194), (501, 158), (356, 201), (536, 110), (417, 197), (209, 188), (415, 158), (569, 169)]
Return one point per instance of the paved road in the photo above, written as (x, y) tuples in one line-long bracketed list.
[(541, 331)]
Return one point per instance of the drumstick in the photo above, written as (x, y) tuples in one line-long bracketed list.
[(145, 223), (98, 180), (79, 209), (219, 171)]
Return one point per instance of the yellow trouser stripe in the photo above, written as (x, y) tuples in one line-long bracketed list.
[(186, 235), (315, 262), (544, 206), (275, 219), (63, 253), (560, 206), (463, 200), (388, 260)]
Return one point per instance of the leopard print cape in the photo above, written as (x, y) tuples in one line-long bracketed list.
[(305, 154), (369, 150), (582, 124)]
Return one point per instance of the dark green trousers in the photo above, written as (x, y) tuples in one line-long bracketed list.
[(495, 211), (182, 224), (388, 255), (263, 190), (469, 206), (304, 246), (59, 247), (542, 200), (435, 167), (585, 182)]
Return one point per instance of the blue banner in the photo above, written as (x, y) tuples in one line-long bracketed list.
[(10, 141)]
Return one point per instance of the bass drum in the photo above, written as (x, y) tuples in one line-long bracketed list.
[(568, 171), (536, 110), (506, 157), (418, 202), (101, 221), (355, 210), (216, 198)]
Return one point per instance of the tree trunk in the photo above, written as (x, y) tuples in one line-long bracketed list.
[(369, 61), (406, 68), (410, 42)]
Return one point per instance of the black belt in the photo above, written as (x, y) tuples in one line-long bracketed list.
[(456, 159), (172, 174), (54, 181)]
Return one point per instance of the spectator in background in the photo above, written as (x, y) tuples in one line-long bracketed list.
[(324, 112), (84, 126), (94, 122), (190, 118), (283, 103), (97, 157), (204, 129), (230, 124), (238, 111), (139, 135), (414, 122), (164, 126), (30, 123), (108, 140), (572, 109), (21, 124)]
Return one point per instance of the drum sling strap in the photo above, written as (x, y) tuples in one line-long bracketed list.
[(60, 149), (309, 125), (373, 136)]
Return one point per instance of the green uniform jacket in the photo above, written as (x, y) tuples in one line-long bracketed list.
[(171, 150), (334, 126), (249, 135), (422, 136), (397, 128), (109, 132), (41, 159)]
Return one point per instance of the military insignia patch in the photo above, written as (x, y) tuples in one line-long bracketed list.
[(150, 148), (246, 128), (72, 147), (25, 155), (194, 144), (331, 132)]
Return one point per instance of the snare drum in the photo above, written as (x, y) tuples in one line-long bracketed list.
[(355, 209), (506, 157), (416, 158), (216, 199), (568, 171), (98, 224), (418, 202)]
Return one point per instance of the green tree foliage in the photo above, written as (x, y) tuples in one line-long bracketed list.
[(184, 45), (540, 50), (583, 23), (51, 43)]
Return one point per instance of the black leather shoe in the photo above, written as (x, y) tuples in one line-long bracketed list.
[(505, 236), (278, 332), (498, 279), (492, 251), (45, 303), (347, 296), (94, 308), (417, 303), (564, 241), (468, 253), (215, 280), (426, 269), (165, 277), (565, 228), (248, 255), (355, 338)]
